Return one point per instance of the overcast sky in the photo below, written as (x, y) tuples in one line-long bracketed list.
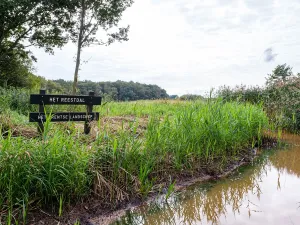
[(190, 46)]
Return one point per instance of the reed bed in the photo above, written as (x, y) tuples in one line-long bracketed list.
[(181, 139)]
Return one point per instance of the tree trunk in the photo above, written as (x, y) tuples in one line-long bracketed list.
[(79, 45), (5, 84)]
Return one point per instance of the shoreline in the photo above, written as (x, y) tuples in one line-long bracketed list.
[(92, 212), (182, 185)]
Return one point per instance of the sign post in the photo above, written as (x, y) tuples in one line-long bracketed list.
[(41, 110), (87, 125), (43, 99)]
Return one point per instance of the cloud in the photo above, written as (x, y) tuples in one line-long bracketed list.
[(190, 46)]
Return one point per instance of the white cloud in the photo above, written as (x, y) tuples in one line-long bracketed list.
[(191, 47)]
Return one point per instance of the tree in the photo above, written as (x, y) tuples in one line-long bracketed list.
[(95, 14), (40, 23), (15, 70), (24, 23), (280, 73)]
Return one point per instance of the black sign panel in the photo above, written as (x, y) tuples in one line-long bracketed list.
[(60, 117), (64, 100)]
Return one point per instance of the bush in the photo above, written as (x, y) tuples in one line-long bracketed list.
[(16, 99), (281, 99)]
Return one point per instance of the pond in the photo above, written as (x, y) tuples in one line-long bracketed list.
[(265, 192)]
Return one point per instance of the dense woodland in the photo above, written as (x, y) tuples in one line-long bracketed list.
[(111, 91), (117, 91)]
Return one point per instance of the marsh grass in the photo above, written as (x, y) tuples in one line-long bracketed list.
[(280, 100), (40, 172), (181, 138), (143, 108)]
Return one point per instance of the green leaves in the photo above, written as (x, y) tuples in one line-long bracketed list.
[(281, 73), (99, 14), (41, 23), (37, 23)]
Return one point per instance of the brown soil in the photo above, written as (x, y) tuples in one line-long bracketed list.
[(18, 131), (109, 124), (114, 124)]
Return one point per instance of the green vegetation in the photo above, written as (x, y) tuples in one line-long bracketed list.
[(115, 91), (30, 23), (146, 150), (280, 97), (190, 97), (143, 108), (137, 147), (18, 98), (93, 15), (50, 24)]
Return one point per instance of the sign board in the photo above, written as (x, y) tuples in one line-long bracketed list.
[(64, 117), (43, 99), (64, 100)]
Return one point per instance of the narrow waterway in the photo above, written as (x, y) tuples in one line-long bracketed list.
[(266, 192)]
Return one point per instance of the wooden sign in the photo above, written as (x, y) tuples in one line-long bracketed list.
[(64, 100), (44, 99), (64, 117)]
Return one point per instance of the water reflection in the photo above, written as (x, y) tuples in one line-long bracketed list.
[(265, 193)]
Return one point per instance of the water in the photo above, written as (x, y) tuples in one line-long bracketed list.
[(267, 192)]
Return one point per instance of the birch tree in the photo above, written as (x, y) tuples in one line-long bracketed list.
[(94, 16)]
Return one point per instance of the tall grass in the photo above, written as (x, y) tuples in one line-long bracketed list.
[(15, 99), (207, 130), (186, 142), (142, 108), (113, 167), (40, 172), (280, 100)]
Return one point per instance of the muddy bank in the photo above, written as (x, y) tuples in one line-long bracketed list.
[(263, 192), (182, 183), (92, 211)]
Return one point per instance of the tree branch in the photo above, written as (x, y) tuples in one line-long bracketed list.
[(91, 31)]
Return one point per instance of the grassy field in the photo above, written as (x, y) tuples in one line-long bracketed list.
[(137, 148)]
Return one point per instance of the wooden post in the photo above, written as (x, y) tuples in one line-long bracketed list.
[(41, 110), (87, 125)]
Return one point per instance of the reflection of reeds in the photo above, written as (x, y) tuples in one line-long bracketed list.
[(234, 194), (206, 204)]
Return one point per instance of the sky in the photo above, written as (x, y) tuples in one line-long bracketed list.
[(190, 46)]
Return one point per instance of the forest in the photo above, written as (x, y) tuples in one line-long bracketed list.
[(115, 91)]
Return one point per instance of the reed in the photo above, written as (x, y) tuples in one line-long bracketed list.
[(181, 138)]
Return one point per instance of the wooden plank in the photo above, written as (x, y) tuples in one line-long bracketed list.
[(64, 100), (64, 116)]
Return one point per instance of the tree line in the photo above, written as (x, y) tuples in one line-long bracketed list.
[(114, 91)]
